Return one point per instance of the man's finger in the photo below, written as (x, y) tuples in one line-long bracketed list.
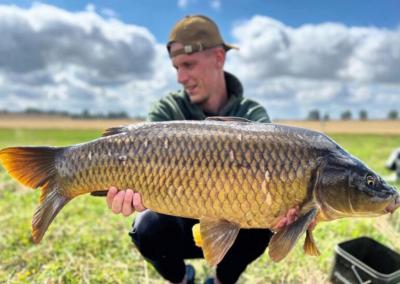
[(110, 196), (117, 202), (137, 202), (292, 215), (281, 224), (127, 207)]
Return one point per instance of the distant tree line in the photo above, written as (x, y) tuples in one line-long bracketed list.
[(85, 114), (347, 115)]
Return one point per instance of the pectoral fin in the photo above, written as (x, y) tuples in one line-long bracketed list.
[(309, 245), (283, 241), (217, 237)]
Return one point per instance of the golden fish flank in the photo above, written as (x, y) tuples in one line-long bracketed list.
[(229, 174)]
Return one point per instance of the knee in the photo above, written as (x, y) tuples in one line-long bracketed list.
[(259, 241), (150, 234), (250, 244), (141, 233)]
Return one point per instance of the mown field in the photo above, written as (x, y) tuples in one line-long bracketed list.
[(88, 244)]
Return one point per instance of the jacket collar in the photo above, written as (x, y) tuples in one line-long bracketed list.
[(235, 94)]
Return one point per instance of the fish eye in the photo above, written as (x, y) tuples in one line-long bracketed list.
[(370, 180)]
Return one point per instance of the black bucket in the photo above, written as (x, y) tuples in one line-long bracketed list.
[(365, 261)]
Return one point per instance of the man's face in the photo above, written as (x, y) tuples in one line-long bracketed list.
[(197, 73)]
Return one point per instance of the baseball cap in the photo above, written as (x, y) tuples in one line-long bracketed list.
[(196, 33)]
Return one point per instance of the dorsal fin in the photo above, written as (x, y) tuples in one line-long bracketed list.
[(228, 118), (115, 130)]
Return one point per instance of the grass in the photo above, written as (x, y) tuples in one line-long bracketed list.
[(88, 244), (53, 137)]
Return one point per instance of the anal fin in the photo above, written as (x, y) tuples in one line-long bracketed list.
[(310, 247)]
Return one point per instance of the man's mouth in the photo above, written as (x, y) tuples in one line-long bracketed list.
[(190, 89)]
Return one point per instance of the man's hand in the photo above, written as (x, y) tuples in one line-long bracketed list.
[(290, 217), (125, 201)]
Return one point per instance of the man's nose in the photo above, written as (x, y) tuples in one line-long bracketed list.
[(182, 76)]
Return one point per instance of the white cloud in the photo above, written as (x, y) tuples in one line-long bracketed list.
[(91, 8), (215, 4), (183, 3), (323, 94), (328, 66), (360, 94), (376, 56), (109, 13), (326, 51), (45, 37), (54, 59)]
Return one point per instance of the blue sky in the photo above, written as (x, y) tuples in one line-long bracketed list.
[(378, 13), (342, 54)]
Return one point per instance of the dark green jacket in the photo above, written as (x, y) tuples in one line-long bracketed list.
[(177, 106)]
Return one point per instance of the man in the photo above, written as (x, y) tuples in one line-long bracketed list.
[(197, 52)]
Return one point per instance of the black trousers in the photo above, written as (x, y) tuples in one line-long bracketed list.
[(165, 241)]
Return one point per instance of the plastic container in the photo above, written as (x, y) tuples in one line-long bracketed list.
[(365, 261)]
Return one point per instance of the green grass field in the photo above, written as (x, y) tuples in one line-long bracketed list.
[(88, 244)]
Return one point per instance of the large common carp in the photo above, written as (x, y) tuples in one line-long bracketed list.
[(229, 173)]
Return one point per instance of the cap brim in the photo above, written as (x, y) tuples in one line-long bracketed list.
[(229, 47)]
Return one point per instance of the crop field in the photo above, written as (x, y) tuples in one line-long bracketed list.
[(86, 243), (57, 122)]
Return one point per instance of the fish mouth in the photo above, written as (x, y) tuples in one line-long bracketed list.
[(393, 205)]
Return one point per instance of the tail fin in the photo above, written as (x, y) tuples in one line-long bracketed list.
[(35, 167)]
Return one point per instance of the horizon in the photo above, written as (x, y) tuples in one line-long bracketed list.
[(87, 114)]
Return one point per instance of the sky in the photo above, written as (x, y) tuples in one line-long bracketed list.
[(110, 56)]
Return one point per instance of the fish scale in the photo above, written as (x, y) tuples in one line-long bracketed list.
[(228, 174), (178, 167)]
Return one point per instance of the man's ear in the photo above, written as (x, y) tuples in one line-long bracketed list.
[(220, 57)]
